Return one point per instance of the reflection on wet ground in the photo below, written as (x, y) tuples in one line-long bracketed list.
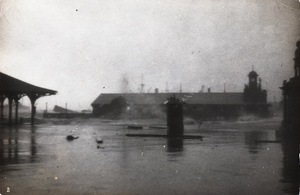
[(232, 158), (14, 150)]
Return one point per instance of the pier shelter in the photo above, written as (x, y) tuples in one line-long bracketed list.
[(14, 89)]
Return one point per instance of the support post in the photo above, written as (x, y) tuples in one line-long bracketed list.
[(2, 98), (33, 110), (16, 110), (33, 97), (10, 110)]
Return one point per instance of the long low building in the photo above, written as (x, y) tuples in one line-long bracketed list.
[(197, 105)]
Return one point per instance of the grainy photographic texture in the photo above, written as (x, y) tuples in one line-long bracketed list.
[(149, 97)]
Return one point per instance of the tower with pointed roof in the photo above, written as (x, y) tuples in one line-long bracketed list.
[(253, 79), (254, 96)]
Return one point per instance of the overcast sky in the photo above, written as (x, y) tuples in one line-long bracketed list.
[(82, 48)]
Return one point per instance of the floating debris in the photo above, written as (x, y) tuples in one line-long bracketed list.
[(268, 141), (99, 140), (165, 136), (134, 127), (158, 127), (71, 137)]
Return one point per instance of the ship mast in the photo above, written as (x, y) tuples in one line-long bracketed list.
[(167, 90), (180, 88), (142, 85)]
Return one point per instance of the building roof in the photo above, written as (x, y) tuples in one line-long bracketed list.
[(11, 86), (161, 98), (62, 110)]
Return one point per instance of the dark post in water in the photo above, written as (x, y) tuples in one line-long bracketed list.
[(174, 117)]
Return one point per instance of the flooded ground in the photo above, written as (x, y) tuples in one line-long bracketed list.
[(232, 158)]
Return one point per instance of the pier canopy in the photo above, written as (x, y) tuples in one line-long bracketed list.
[(14, 89), (10, 85)]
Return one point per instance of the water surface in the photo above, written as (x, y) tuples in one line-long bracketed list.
[(232, 158)]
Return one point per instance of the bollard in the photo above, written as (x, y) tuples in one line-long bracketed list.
[(175, 144), (175, 117)]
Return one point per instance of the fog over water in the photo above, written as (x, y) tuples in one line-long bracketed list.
[(84, 48)]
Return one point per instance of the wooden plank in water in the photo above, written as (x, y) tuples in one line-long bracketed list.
[(165, 136)]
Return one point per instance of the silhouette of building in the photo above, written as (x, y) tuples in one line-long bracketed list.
[(59, 109), (204, 105), (255, 97), (291, 96)]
